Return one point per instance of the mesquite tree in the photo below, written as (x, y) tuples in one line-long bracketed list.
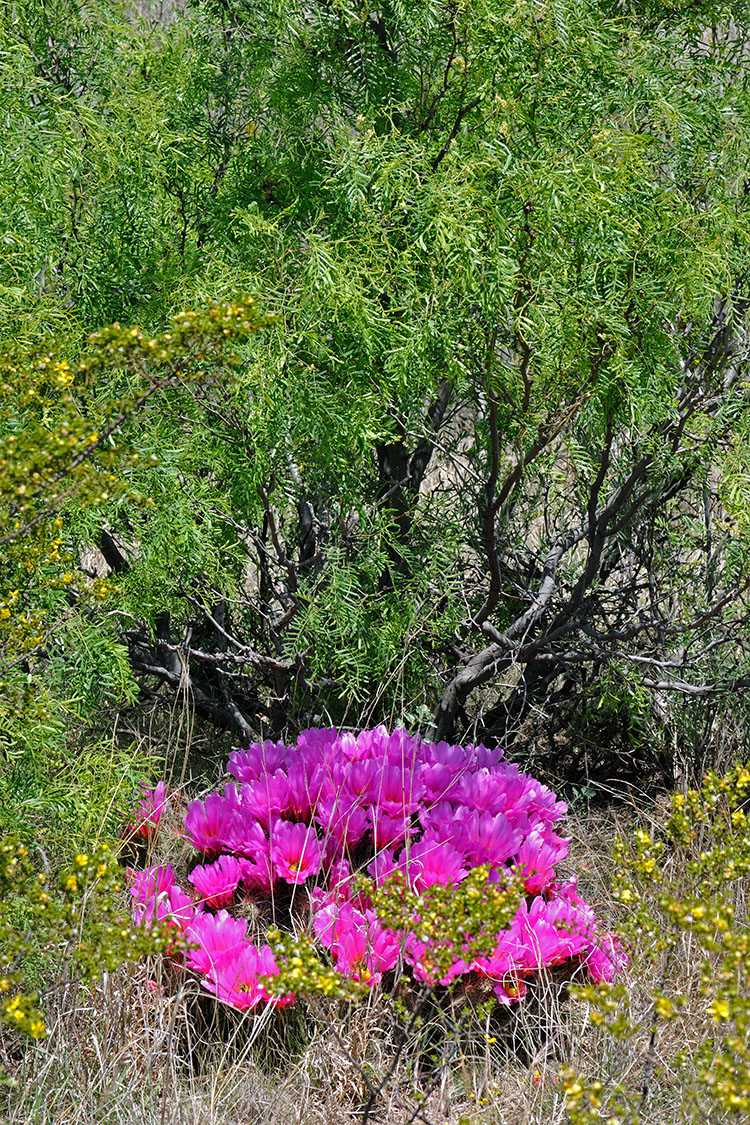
[(495, 450)]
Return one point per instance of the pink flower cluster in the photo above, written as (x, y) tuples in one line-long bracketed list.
[(306, 817)]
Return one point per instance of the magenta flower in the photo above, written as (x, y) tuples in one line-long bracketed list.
[(524, 796), (305, 783), (365, 953), (235, 977), (401, 749), (552, 931), (268, 797), (295, 852), (389, 831), (243, 834), (340, 878), (510, 990), (604, 959), (360, 946), (444, 822), (217, 882), (214, 935), (491, 839), (257, 874), (359, 781), (487, 759), (543, 805), (383, 866), (208, 822), (434, 861), (352, 748), (340, 816), (440, 782), (458, 759), (152, 882), (172, 907), (181, 910), (419, 956), (399, 792), (314, 746), (509, 954), (537, 856), (333, 919), (147, 813), (259, 760)]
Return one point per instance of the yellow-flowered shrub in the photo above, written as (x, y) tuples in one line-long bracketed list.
[(684, 888)]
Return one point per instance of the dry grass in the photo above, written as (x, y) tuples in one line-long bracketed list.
[(145, 1050)]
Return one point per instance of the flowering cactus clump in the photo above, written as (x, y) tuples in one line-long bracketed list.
[(396, 855)]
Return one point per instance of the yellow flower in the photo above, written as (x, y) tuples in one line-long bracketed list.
[(719, 1009)]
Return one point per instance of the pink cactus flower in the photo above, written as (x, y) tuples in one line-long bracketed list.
[(214, 935), (257, 874), (340, 817), (399, 791), (440, 782), (152, 882), (332, 920), (295, 851), (605, 958), (509, 954), (488, 759), (269, 797), (305, 784), (387, 830), (536, 858), (491, 839), (172, 907), (419, 955), (458, 759), (208, 822), (243, 834), (331, 798), (552, 931), (402, 750), (217, 882), (235, 977), (383, 866), (365, 953), (484, 791), (353, 748), (444, 822), (315, 745), (259, 760), (510, 990), (181, 910), (359, 781), (145, 817), (433, 861), (360, 946)]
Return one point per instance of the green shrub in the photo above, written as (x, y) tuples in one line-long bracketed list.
[(683, 888), (72, 929)]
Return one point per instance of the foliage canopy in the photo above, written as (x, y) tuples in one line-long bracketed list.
[(497, 439)]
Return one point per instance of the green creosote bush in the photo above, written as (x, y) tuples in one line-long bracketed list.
[(80, 920), (684, 890)]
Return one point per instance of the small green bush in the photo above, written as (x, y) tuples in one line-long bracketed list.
[(79, 923), (683, 889)]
